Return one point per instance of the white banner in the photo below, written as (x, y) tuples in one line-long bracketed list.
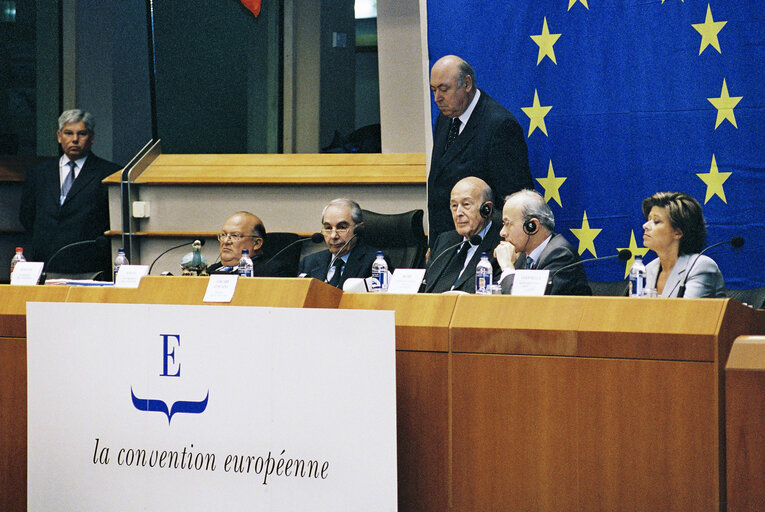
[(147, 407)]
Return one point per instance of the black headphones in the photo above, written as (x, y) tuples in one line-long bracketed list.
[(486, 209), (530, 227)]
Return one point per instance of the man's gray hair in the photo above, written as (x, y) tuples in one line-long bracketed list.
[(532, 205), (356, 214), (75, 116), (464, 69)]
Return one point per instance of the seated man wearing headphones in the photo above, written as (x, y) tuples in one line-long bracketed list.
[(455, 254), (527, 227)]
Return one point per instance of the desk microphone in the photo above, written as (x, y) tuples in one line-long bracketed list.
[(100, 242), (736, 242), (624, 255), (315, 238), (201, 242), (474, 240)]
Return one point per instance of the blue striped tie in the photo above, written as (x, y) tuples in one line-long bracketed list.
[(67, 185)]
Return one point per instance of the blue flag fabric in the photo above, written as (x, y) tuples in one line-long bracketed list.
[(622, 99)]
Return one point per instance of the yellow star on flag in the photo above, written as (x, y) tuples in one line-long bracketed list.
[(633, 248), (545, 41), (551, 185), (536, 114), (709, 30), (724, 105), (662, 1), (586, 236), (572, 2), (714, 181)]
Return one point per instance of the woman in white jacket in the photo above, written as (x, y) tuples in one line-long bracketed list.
[(676, 232)]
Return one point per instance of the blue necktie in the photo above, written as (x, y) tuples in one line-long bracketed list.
[(335, 281), (67, 185)]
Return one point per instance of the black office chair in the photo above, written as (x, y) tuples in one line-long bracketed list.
[(89, 259), (609, 288), (275, 242), (755, 297), (400, 235)]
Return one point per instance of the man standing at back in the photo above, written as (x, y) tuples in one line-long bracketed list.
[(64, 200), (474, 136)]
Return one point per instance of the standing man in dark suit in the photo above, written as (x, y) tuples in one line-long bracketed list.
[(454, 256), (527, 227), (64, 200), (346, 255), (474, 136), (245, 230)]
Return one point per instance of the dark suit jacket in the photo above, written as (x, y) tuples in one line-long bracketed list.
[(466, 281), (557, 254), (261, 267), (491, 147), (359, 263), (83, 216)]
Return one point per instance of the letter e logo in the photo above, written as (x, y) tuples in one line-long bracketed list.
[(169, 343)]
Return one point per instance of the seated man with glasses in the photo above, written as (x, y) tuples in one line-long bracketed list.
[(346, 255), (243, 230)]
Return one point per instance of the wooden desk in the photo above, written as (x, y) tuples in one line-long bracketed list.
[(13, 388), (591, 403), (745, 424), (503, 403), (422, 393), (261, 291)]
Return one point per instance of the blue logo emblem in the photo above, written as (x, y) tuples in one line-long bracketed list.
[(171, 343), (150, 405)]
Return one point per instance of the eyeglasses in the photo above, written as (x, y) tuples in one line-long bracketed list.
[(234, 237), (340, 231)]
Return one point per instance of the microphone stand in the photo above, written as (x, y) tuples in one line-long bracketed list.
[(736, 242), (624, 255)]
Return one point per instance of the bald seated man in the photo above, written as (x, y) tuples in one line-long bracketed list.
[(244, 230), (474, 136), (452, 261), (530, 242)]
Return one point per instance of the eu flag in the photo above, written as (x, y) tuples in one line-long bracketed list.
[(622, 99)]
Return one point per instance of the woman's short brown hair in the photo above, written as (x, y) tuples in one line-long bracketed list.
[(684, 213)]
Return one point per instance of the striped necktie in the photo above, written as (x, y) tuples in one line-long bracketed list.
[(67, 185)]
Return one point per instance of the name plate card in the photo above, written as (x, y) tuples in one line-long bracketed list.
[(129, 276), (221, 288), (530, 282), (27, 273), (406, 280)]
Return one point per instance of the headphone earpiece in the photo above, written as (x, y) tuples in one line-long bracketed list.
[(486, 210), (530, 227)]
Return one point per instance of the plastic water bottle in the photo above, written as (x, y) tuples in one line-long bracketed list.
[(19, 256), (245, 264), (483, 275), (380, 273), (637, 277), (120, 260)]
